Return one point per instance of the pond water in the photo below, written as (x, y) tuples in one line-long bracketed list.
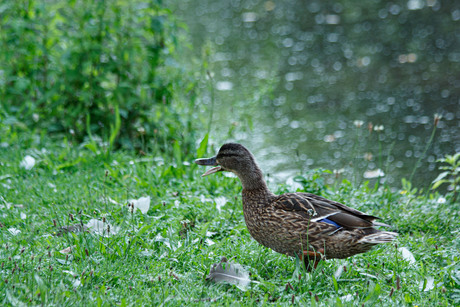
[(343, 85)]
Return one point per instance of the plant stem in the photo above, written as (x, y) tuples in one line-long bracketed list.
[(211, 88), (417, 164)]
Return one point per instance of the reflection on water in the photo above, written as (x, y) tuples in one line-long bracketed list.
[(342, 85)]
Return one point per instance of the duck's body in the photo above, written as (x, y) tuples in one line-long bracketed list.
[(299, 224)]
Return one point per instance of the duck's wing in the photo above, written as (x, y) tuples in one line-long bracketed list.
[(319, 209)]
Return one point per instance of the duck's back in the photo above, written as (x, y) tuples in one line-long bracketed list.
[(295, 222)]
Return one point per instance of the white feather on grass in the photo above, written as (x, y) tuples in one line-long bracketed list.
[(227, 272)]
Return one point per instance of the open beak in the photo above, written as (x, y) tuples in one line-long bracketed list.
[(211, 161)]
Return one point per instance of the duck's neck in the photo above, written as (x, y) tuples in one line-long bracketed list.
[(253, 180)]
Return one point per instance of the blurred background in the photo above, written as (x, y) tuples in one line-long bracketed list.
[(343, 85), (353, 87)]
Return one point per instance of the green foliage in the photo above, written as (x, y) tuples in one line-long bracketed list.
[(450, 174), (203, 146), (313, 181), (110, 61)]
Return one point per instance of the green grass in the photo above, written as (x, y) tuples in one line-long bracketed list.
[(163, 257)]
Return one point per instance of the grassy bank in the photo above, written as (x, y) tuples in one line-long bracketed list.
[(49, 256)]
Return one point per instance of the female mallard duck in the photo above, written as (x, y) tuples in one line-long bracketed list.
[(302, 224)]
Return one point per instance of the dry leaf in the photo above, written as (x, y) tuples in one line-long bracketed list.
[(228, 272), (67, 250)]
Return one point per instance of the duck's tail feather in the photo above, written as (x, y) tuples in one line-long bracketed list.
[(379, 237), (380, 224)]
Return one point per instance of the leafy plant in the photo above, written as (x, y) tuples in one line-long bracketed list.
[(313, 181), (64, 61), (450, 174)]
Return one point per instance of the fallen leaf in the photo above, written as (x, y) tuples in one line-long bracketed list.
[(100, 228), (220, 202), (5, 177), (204, 199), (338, 272), (159, 238), (70, 272), (67, 250), (228, 272), (77, 282), (28, 162), (368, 275), (14, 231), (146, 253), (407, 255), (346, 298), (109, 200), (143, 204), (429, 284), (6, 205), (72, 228), (209, 242)]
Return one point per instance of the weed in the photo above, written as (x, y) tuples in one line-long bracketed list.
[(449, 175)]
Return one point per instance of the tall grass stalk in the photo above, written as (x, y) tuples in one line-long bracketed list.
[(422, 156), (358, 124), (212, 91), (379, 129)]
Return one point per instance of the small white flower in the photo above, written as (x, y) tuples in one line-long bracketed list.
[(358, 123), (441, 200), (374, 173)]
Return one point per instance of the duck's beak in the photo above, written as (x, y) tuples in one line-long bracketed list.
[(209, 161)]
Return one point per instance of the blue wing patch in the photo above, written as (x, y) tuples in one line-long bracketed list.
[(330, 222)]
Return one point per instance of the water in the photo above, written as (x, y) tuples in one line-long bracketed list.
[(347, 86)]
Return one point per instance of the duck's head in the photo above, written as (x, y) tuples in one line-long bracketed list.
[(233, 158)]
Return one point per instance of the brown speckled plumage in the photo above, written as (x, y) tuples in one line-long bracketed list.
[(299, 224)]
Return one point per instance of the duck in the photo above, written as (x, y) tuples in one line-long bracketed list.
[(302, 225)]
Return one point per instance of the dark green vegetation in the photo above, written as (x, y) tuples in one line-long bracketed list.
[(93, 68), (96, 112)]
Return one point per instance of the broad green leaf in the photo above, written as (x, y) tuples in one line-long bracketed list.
[(441, 176), (203, 146), (336, 286), (177, 153), (438, 183)]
